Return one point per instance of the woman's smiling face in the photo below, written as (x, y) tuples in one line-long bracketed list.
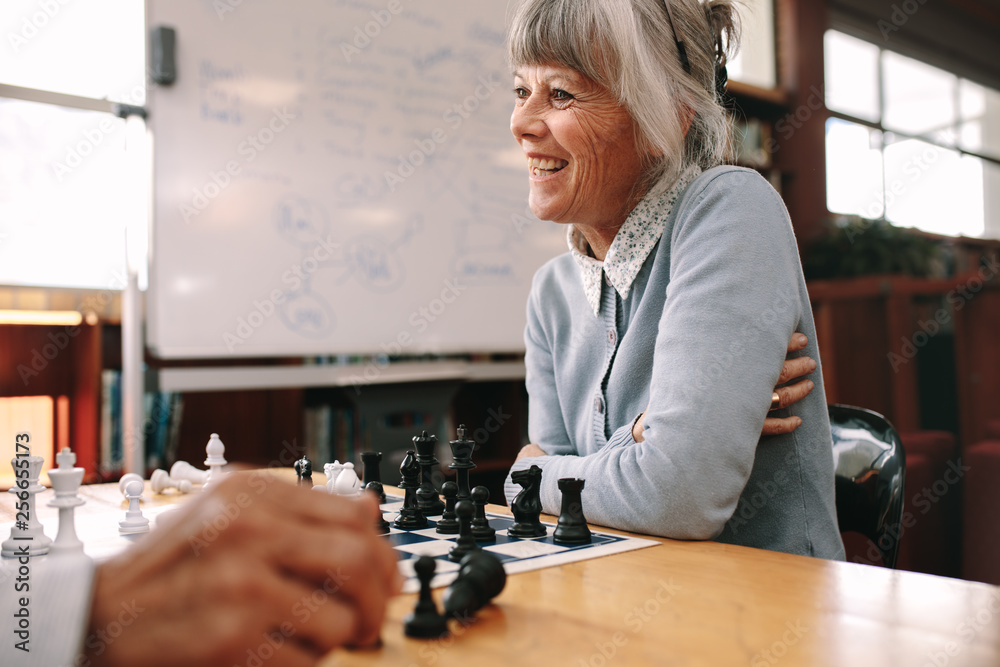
[(584, 164)]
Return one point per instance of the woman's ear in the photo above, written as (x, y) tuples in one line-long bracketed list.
[(686, 119)]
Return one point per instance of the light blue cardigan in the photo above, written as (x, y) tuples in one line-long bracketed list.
[(700, 339)]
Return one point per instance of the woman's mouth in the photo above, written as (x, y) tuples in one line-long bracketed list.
[(545, 166)]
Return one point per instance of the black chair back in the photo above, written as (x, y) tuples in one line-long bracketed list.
[(870, 473)]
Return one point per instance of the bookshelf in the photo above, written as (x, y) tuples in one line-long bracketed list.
[(268, 413), (63, 363)]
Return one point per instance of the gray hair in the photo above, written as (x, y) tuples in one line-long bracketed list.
[(628, 47)]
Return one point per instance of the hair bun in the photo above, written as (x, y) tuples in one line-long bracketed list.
[(723, 22)]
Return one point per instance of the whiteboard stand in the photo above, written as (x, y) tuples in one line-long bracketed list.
[(354, 376), (133, 444)]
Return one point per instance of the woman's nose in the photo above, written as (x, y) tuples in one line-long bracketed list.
[(526, 120)]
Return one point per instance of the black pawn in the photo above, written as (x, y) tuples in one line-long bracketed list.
[(303, 471), (481, 528), (424, 622), (466, 543), (371, 472), (572, 527), (427, 496), (480, 578), (461, 452), (381, 526), (448, 524), (410, 517)]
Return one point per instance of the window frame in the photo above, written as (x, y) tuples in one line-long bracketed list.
[(899, 135)]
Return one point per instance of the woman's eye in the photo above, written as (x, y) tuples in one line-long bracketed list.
[(520, 93), (561, 95)]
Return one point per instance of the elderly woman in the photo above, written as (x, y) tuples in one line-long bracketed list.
[(654, 345)]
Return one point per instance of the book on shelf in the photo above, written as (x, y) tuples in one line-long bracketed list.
[(159, 429), (751, 142), (317, 435), (330, 433)]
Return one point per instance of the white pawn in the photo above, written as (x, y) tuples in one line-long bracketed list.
[(347, 482), (28, 537), (134, 522), (215, 460), (161, 481), (131, 477), (66, 480), (184, 470)]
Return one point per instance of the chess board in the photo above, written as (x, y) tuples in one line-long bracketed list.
[(97, 527), (96, 520), (517, 555)]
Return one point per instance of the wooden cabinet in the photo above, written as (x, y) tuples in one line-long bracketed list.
[(925, 353), (58, 361)]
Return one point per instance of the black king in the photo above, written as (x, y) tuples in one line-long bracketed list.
[(461, 452)]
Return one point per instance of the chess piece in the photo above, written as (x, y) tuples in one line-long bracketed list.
[(341, 479), (481, 528), (66, 480), (427, 496), (346, 483), (304, 471), (480, 578), (184, 470), (161, 480), (466, 543), (410, 517), (448, 524), (572, 527), (331, 470), (461, 452), (381, 526), (527, 505), (214, 459), (27, 535), (371, 471), (134, 522), (130, 477), (424, 622)]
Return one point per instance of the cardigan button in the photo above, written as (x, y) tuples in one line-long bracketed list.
[(611, 336), (599, 405)]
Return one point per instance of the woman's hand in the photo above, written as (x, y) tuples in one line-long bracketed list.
[(254, 567), (790, 370), (530, 450)]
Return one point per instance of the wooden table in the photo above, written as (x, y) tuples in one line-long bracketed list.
[(691, 603), (704, 603)]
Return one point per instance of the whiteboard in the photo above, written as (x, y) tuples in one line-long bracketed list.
[(338, 177)]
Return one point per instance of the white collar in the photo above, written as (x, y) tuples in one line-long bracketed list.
[(631, 246)]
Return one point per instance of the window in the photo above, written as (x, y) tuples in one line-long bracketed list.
[(68, 187), (755, 61), (910, 143)]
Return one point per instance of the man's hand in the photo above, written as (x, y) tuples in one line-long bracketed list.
[(254, 567)]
